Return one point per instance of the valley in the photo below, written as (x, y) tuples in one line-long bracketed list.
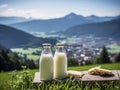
[(81, 48)]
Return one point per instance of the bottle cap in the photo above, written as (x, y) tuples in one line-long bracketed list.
[(46, 45), (60, 45)]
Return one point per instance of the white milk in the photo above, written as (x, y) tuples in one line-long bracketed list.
[(60, 65), (46, 67)]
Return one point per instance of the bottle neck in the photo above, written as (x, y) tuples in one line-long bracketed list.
[(47, 51), (60, 50)]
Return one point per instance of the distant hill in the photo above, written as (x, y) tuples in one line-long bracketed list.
[(117, 18), (94, 18), (2, 47), (11, 37), (103, 29), (58, 24), (11, 20)]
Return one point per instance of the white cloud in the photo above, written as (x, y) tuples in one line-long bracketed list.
[(18, 12), (3, 5), (5, 10)]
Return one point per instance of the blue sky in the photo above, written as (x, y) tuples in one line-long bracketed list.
[(58, 8)]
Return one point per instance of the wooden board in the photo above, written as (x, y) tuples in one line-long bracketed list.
[(118, 71), (86, 77), (37, 78)]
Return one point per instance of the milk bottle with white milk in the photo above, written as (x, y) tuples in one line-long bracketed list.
[(60, 62), (46, 63)]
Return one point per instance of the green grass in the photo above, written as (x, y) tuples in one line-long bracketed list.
[(111, 66), (28, 52), (33, 57), (6, 76), (114, 49)]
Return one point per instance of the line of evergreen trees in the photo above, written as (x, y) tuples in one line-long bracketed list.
[(11, 61)]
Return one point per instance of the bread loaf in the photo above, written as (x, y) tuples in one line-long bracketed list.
[(99, 71), (75, 73)]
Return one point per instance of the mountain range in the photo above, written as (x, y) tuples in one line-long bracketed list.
[(15, 35), (109, 29), (11, 20), (12, 37), (58, 24)]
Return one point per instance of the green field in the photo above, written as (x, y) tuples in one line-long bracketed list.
[(114, 49), (33, 57), (26, 51), (6, 76), (29, 52)]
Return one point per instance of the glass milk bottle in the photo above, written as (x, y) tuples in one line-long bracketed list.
[(46, 63), (60, 62)]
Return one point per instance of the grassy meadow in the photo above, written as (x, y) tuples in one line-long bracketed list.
[(5, 77), (114, 49), (29, 52)]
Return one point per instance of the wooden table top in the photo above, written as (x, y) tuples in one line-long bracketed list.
[(86, 77)]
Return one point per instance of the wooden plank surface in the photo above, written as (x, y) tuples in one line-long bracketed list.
[(37, 78), (86, 77), (118, 71)]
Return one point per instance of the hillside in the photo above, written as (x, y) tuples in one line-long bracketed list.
[(103, 29), (58, 24), (11, 37), (10, 20)]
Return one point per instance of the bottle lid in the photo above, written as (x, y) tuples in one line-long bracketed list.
[(46, 45), (60, 45)]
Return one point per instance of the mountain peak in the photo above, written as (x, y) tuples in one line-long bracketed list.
[(72, 15), (93, 16)]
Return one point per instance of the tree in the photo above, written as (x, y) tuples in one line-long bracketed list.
[(104, 58), (17, 65), (72, 62), (97, 60), (32, 65), (117, 59), (2, 63), (4, 54), (88, 62), (7, 59), (25, 57)]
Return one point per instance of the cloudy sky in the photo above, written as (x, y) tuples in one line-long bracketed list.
[(56, 8)]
